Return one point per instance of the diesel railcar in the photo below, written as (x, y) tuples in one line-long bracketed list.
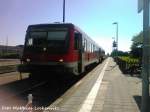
[(60, 47)]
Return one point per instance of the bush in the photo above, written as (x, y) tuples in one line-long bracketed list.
[(129, 60), (128, 64), (10, 55)]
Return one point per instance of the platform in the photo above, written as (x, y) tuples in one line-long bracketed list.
[(104, 89)]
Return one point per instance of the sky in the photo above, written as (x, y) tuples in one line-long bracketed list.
[(94, 17)]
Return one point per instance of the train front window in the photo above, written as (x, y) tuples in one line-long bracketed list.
[(57, 39), (37, 38), (57, 35), (54, 39), (30, 42)]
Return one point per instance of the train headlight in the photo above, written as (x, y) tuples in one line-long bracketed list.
[(44, 49), (61, 60), (28, 60)]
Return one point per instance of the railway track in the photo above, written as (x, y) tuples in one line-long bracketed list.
[(8, 65), (24, 91), (44, 92), (15, 95), (8, 69)]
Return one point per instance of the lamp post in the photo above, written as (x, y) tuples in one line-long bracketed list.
[(146, 58), (63, 11), (116, 23), (145, 6)]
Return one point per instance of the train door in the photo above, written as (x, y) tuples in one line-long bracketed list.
[(79, 47), (99, 55)]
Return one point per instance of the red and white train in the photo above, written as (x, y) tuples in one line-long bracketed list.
[(60, 47)]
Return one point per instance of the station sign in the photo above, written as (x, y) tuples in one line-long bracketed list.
[(114, 44)]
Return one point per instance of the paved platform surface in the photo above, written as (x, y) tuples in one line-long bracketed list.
[(105, 89), (122, 91)]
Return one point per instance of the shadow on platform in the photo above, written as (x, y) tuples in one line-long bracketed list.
[(138, 100)]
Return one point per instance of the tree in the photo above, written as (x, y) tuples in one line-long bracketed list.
[(137, 44), (119, 53)]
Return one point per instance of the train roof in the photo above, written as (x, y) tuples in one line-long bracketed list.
[(50, 24)]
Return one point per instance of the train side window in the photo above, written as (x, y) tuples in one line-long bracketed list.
[(88, 46), (85, 45), (91, 47), (77, 39)]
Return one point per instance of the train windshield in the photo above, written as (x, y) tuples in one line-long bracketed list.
[(36, 39), (57, 35), (53, 39), (56, 39)]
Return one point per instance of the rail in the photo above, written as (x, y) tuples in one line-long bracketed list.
[(8, 69)]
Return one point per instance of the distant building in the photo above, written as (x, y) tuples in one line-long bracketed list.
[(11, 49)]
